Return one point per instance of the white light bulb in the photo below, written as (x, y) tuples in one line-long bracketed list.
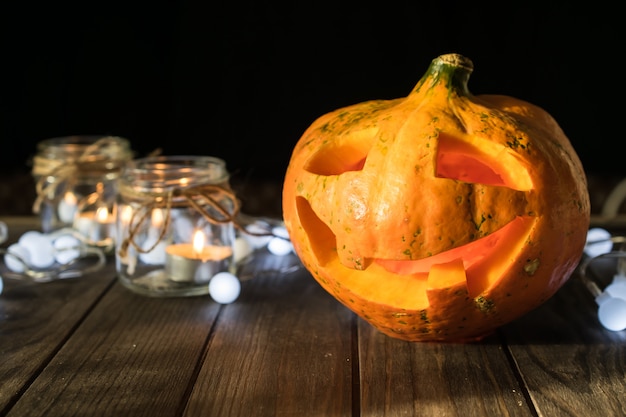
[(12, 262), (66, 249), (602, 239), (29, 238), (618, 287), (257, 241), (612, 313), (280, 247), (40, 248), (224, 288)]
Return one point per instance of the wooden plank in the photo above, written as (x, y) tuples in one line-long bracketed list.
[(436, 379), (19, 224), (284, 349), (36, 319), (570, 364), (132, 356)]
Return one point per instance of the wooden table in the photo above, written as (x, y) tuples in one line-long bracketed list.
[(90, 347)]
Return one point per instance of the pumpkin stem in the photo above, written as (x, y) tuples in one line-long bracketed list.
[(453, 69)]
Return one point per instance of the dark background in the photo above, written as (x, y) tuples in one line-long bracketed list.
[(243, 80)]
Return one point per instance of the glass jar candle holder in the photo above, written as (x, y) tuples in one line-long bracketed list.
[(175, 220), (76, 180)]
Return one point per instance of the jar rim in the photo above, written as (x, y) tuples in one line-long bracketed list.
[(95, 154), (78, 142), (162, 172), (173, 162)]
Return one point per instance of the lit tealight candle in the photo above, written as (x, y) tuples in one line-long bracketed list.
[(95, 225), (196, 262)]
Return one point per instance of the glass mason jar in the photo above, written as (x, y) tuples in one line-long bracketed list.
[(175, 220), (76, 180)]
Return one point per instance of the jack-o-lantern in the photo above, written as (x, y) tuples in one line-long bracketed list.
[(439, 216)]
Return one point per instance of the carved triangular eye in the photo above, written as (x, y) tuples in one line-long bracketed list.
[(478, 161), (341, 156)]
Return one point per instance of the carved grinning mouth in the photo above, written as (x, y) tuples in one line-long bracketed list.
[(480, 263)]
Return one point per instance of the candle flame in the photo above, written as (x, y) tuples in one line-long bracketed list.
[(102, 214), (198, 242)]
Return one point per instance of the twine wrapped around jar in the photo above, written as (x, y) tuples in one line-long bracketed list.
[(64, 162), (214, 196)]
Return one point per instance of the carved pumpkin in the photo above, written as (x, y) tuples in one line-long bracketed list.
[(439, 216)]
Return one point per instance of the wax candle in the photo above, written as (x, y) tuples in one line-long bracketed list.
[(196, 262), (95, 225)]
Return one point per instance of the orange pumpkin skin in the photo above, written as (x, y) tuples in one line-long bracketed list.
[(439, 216)]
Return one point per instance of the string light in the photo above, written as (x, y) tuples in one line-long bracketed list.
[(39, 257), (612, 300)]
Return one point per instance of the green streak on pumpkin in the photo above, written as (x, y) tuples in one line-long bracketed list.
[(484, 304), (531, 266), (515, 143), (478, 225), (424, 316)]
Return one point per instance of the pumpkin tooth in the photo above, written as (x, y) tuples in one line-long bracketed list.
[(446, 274)]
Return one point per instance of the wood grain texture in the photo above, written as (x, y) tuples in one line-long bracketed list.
[(89, 347), (436, 379), (284, 349), (133, 355), (569, 363)]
